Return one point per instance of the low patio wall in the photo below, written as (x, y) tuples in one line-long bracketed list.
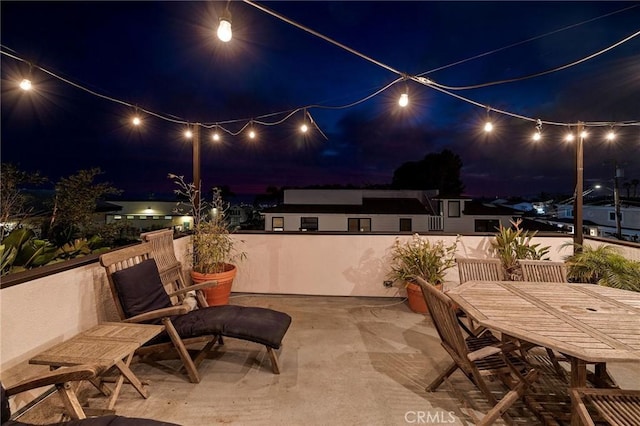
[(39, 313)]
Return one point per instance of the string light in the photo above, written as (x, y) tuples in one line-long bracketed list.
[(224, 26), (136, 121), (252, 134), (404, 100), (611, 135), (25, 84), (538, 134), (569, 137), (584, 134), (488, 125), (215, 136), (188, 134)]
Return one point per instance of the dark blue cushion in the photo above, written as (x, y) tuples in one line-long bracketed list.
[(140, 289)]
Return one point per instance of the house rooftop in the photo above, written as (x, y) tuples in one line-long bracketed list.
[(411, 206)]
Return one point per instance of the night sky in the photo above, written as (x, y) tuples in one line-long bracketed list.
[(164, 57)]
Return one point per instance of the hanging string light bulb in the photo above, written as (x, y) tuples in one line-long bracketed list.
[(215, 136), (224, 25), (136, 121), (538, 133), (25, 84), (569, 137), (188, 134), (304, 128), (611, 135), (252, 133), (584, 134), (404, 100), (488, 125)]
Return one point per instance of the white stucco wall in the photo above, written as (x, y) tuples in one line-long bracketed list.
[(37, 314)]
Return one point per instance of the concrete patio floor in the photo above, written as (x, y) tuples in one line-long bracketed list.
[(345, 360)]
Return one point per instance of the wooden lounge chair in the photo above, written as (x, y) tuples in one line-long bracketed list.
[(479, 269), (543, 271), (62, 379), (614, 406), (476, 356), (140, 297)]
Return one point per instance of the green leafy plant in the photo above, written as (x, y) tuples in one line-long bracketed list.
[(513, 243), (213, 246), (603, 265), (418, 257)]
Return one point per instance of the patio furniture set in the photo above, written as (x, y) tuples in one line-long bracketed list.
[(578, 324)]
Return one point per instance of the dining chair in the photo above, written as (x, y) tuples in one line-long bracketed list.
[(470, 269), (616, 407), (477, 357), (543, 271)]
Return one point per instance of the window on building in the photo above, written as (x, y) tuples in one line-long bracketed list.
[(168, 217), (117, 217), (612, 216), (359, 224), (405, 225), (308, 223), (277, 223), (486, 225), (454, 208), (129, 216)]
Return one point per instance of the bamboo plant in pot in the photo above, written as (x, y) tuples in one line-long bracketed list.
[(419, 257), (214, 250)]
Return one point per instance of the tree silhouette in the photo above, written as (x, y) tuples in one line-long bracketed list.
[(435, 171)]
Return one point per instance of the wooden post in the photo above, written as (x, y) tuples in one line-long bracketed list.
[(196, 164), (577, 203)]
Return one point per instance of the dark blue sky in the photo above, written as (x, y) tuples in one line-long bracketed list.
[(164, 56)]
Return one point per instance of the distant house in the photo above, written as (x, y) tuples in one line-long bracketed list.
[(600, 218), (462, 215), (354, 210), (148, 215)]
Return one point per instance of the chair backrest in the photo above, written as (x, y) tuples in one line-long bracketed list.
[(479, 269), (543, 271), (443, 314), (163, 252), (134, 280)]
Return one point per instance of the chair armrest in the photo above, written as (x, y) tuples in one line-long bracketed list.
[(159, 313), (61, 375), (194, 287)]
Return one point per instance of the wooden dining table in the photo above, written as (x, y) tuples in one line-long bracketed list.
[(587, 323)]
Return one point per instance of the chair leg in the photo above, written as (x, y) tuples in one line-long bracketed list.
[(203, 353), (275, 366), (438, 380), (192, 371), (70, 401)]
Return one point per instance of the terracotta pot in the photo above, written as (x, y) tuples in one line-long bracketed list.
[(416, 299), (218, 295)]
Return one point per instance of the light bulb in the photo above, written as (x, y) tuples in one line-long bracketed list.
[(304, 128), (215, 137), (488, 127), (252, 134), (404, 100), (25, 84), (537, 136), (188, 134), (611, 136), (224, 29), (569, 137), (583, 134), (136, 121)]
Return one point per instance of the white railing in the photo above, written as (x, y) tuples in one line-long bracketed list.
[(436, 223)]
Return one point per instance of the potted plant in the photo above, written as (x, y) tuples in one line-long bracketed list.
[(419, 257), (214, 250), (514, 243), (603, 265)]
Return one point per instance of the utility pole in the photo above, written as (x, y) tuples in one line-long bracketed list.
[(577, 202), (616, 199)]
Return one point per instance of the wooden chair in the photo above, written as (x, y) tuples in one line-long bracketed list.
[(614, 406), (470, 269), (63, 379), (140, 297), (476, 356), (479, 269), (543, 270)]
